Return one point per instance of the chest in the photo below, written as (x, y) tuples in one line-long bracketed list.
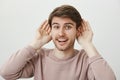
[(52, 70)]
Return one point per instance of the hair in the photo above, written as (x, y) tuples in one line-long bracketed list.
[(66, 11)]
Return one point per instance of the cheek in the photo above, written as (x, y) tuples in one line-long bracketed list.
[(72, 33), (53, 34)]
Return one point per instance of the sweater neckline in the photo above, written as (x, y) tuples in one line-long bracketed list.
[(53, 57)]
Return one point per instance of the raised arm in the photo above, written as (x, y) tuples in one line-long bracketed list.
[(21, 64), (98, 67)]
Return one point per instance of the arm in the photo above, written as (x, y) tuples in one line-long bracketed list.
[(84, 38), (21, 63), (98, 67)]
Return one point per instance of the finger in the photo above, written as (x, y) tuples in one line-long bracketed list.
[(47, 27), (42, 25), (49, 30), (88, 26)]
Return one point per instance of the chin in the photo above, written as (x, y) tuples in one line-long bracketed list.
[(62, 48)]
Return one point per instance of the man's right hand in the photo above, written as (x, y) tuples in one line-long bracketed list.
[(42, 37)]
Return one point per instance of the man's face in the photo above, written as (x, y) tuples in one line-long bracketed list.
[(63, 33)]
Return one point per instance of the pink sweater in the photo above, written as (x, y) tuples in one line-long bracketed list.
[(44, 66)]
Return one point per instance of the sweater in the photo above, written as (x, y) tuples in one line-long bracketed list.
[(43, 65)]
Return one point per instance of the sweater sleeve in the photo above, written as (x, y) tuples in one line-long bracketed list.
[(99, 69), (19, 65)]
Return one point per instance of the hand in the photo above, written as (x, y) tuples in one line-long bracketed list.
[(85, 34), (85, 39), (43, 36)]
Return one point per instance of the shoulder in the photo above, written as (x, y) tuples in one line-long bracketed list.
[(41, 54), (81, 54), (44, 51)]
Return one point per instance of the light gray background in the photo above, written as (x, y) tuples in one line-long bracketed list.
[(19, 20)]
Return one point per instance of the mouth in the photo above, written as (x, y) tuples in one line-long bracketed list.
[(62, 41)]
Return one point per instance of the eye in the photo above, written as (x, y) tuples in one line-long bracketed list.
[(55, 26), (67, 27)]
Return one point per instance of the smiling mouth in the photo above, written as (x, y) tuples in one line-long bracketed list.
[(62, 41)]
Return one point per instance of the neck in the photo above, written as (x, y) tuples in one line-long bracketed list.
[(64, 54)]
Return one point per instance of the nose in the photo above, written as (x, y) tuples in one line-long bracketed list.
[(61, 32)]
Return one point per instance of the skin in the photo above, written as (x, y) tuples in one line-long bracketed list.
[(63, 32), (63, 35)]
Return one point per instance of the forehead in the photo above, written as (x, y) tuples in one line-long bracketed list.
[(61, 20)]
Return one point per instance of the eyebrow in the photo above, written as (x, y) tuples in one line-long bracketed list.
[(65, 23), (54, 23)]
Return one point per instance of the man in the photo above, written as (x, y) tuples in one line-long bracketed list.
[(64, 26)]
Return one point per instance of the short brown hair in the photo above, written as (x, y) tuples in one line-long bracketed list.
[(66, 11)]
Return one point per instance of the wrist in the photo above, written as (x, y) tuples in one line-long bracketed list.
[(90, 49), (36, 45), (87, 44)]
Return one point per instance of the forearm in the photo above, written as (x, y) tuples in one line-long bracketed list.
[(35, 44), (90, 49), (17, 61)]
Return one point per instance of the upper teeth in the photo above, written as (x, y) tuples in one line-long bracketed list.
[(61, 39)]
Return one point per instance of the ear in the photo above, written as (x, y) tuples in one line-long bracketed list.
[(78, 32)]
